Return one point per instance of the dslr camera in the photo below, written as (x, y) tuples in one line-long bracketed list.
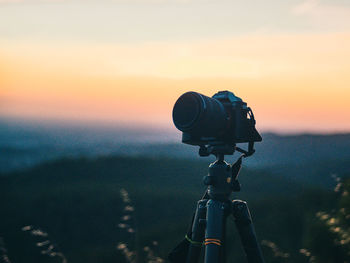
[(215, 124)]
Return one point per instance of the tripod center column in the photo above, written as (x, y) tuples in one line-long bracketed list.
[(214, 231)]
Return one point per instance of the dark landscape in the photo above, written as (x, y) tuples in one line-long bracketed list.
[(110, 195)]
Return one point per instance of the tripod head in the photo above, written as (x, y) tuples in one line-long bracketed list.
[(225, 149), (222, 179)]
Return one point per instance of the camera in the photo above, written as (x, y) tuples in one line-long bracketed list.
[(222, 120)]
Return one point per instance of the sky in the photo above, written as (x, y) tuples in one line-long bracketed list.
[(125, 62)]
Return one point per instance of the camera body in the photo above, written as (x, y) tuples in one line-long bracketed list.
[(222, 120)]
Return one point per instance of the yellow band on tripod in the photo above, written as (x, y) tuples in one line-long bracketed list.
[(195, 243)]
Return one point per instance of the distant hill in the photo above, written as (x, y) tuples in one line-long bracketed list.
[(24, 145)]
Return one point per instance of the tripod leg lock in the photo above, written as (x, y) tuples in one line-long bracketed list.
[(241, 212)]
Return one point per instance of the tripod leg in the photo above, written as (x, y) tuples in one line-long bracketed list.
[(246, 231), (180, 253), (214, 231), (197, 236)]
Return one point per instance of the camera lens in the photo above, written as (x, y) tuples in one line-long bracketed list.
[(199, 114), (187, 110)]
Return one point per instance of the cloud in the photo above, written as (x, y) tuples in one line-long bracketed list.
[(328, 16), (250, 56), (305, 7)]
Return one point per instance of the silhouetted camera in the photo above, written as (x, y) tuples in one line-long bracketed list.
[(223, 119)]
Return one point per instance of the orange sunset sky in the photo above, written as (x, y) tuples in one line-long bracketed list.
[(126, 62)]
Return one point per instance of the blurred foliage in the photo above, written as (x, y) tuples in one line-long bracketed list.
[(328, 235), (80, 205)]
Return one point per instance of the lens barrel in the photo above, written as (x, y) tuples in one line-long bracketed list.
[(198, 114)]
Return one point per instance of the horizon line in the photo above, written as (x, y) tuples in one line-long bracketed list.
[(133, 126)]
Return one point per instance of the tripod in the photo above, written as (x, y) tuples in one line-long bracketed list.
[(209, 221)]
